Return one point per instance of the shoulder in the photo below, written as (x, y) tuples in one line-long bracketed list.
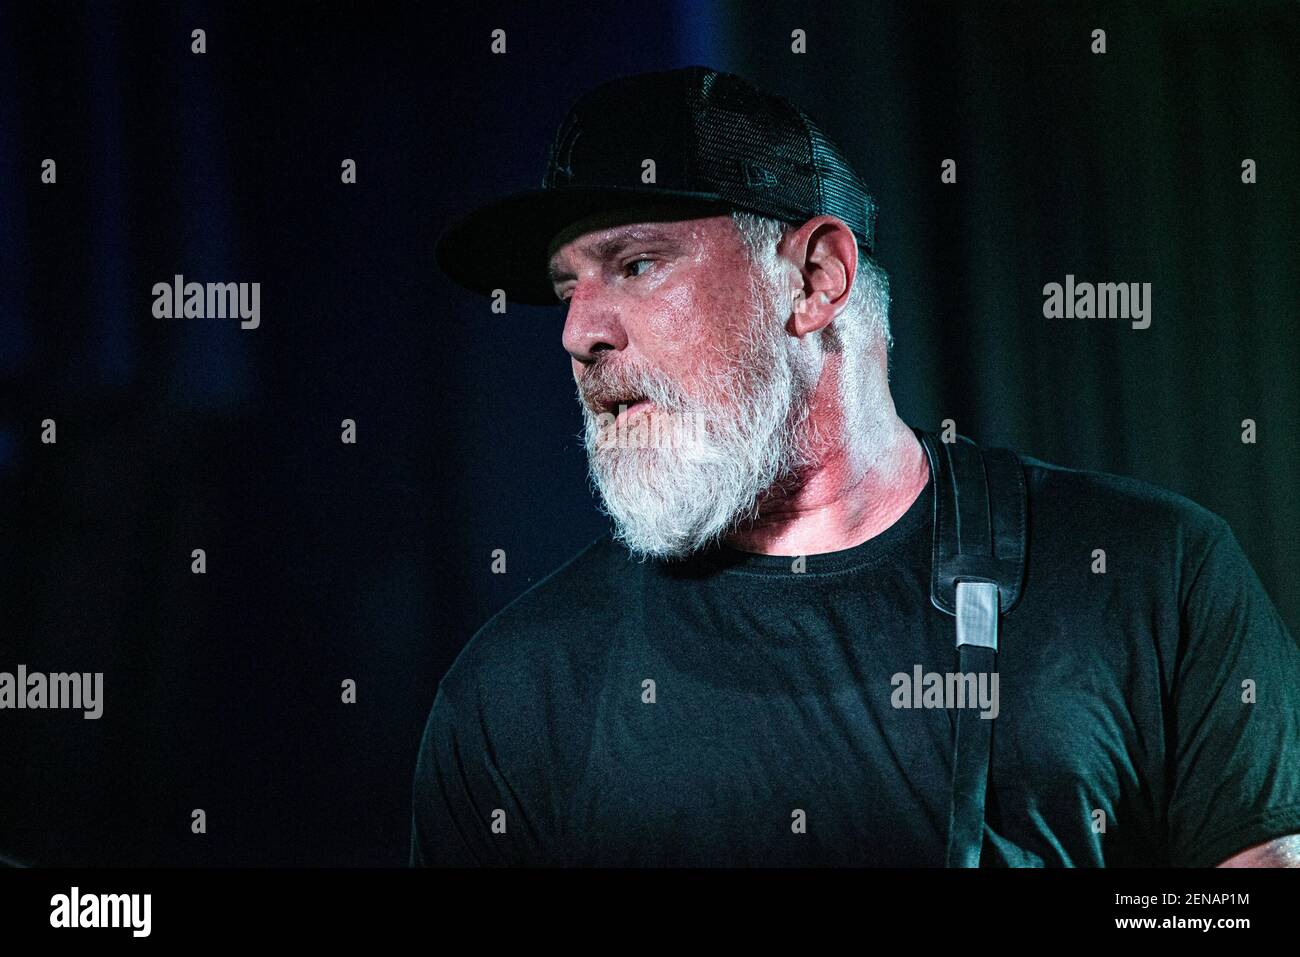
[(1121, 506), (1158, 538), (557, 621)]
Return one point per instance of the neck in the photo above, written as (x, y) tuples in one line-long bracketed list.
[(850, 494)]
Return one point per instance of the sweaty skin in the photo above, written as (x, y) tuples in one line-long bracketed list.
[(671, 294)]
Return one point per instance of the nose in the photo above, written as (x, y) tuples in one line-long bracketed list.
[(591, 325)]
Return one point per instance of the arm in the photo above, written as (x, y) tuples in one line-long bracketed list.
[(474, 801), (1234, 720), (454, 796), (1279, 852)]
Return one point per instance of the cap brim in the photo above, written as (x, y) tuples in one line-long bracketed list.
[(504, 245)]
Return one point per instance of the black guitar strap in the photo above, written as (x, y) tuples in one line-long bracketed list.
[(977, 569)]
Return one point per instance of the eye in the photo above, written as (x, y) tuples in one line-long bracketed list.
[(633, 263)]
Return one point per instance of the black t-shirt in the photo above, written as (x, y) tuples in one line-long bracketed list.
[(730, 710)]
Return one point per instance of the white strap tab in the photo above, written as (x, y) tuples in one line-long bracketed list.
[(977, 614)]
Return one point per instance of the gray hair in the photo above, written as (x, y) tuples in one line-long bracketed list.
[(854, 335), (867, 311)]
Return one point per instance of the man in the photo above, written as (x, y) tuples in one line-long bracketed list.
[(725, 680)]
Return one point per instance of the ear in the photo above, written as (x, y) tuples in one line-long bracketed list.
[(825, 252)]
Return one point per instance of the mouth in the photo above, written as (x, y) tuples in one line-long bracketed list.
[(624, 405)]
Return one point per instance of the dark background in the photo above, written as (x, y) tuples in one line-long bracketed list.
[(372, 561)]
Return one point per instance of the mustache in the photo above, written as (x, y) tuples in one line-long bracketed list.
[(607, 384)]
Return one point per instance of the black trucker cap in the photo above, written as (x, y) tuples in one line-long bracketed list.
[(714, 138)]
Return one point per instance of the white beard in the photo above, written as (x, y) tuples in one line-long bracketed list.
[(667, 502)]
